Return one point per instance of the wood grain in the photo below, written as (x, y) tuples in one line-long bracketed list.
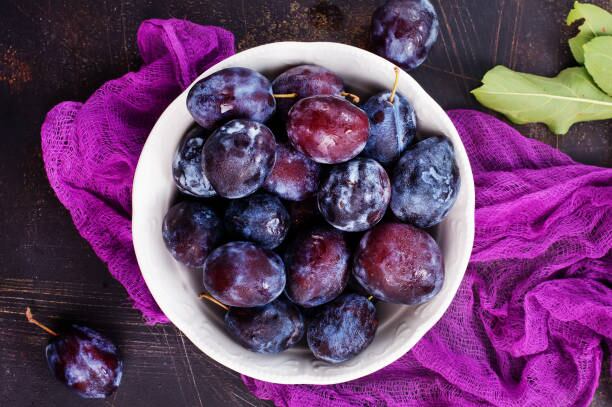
[(65, 49)]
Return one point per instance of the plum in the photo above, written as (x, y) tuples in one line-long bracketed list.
[(294, 177), (304, 81), (187, 167), (317, 266), (399, 263), (260, 217), (270, 328), (403, 31), (238, 157), (355, 195), (392, 125), (240, 274), (232, 93), (328, 129), (85, 361), (190, 231), (425, 183), (342, 329)]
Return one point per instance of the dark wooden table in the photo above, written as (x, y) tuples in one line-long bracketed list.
[(64, 49)]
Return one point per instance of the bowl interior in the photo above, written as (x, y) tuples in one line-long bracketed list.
[(176, 288)]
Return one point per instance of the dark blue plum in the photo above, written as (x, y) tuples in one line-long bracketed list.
[(425, 182), (355, 195), (317, 266), (305, 80), (260, 218), (238, 157), (392, 127), (342, 329), (232, 93), (187, 165), (191, 230), (271, 328), (85, 361), (240, 274), (403, 31)]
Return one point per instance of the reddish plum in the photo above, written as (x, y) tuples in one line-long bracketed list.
[(328, 129), (317, 266), (85, 361), (399, 263), (240, 274), (294, 177)]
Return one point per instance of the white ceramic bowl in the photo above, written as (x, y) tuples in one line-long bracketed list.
[(176, 288)]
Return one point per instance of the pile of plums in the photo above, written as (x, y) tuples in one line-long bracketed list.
[(279, 223), (298, 232)]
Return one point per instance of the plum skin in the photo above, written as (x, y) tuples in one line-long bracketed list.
[(328, 129), (317, 265), (191, 230), (85, 361), (392, 127), (271, 328), (294, 176), (187, 167), (305, 80), (355, 195), (399, 263), (403, 31), (240, 274), (232, 93), (425, 183), (342, 329), (238, 157), (260, 217)]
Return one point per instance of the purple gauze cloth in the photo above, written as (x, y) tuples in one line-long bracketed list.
[(528, 322), (91, 149)]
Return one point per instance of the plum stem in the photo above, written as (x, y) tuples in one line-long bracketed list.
[(351, 95), (214, 301), (392, 97), (285, 95), (370, 298), (31, 320)]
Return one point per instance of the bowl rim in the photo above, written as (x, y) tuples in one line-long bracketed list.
[(319, 379)]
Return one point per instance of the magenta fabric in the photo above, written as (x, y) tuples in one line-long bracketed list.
[(527, 325), (91, 149)]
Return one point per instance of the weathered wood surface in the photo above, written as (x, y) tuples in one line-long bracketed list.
[(64, 49)]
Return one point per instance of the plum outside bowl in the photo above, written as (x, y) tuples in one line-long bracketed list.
[(176, 288)]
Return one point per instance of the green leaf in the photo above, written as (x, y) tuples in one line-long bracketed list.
[(597, 22), (559, 102), (598, 61)]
